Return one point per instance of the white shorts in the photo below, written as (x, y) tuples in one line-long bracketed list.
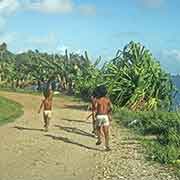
[(48, 113), (102, 120)]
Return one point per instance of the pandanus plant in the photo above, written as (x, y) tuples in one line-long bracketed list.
[(138, 83)]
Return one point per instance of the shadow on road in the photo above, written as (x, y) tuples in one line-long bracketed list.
[(74, 120), (75, 131), (27, 129), (77, 107), (66, 140)]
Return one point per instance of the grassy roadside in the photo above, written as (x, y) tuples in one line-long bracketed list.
[(162, 127), (9, 110)]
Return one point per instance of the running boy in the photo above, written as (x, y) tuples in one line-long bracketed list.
[(103, 110), (47, 108)]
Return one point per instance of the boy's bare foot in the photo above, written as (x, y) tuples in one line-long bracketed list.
[(95, 136), (98, 142), (46, 129), (107, 149)]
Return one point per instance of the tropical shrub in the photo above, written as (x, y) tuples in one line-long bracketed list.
[(87, 80), (136, 80), (165, 126)]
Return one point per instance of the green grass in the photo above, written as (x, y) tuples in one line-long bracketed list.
[(165, 128), (9, 110)]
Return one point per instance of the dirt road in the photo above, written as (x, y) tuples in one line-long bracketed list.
[(68, 150)]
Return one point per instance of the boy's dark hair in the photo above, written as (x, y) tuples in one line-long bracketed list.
[(47, 93), (94, 93), (46, 89), (100, 91)]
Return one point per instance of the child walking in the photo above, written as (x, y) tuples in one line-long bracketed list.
[(46, 104), (103, 117), (93, 112)]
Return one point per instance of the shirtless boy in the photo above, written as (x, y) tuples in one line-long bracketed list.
[(47, 108), (103, 110)]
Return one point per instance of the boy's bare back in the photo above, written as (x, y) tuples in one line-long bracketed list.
[(103, 106), (47, 103)]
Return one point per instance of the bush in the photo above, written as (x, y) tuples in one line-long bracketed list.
[(166, 127), (156, 122), (168, 154)]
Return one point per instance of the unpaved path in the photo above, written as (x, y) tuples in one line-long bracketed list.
[(127, 160), (68, 151)]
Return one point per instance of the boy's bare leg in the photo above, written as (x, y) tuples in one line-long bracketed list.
[(94, 126), (101, 131), (93, 123), (88, 116), (45, 122), (99, 136), (106, 135)]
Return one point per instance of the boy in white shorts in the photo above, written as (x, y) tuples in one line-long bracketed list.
[(103, 110), (47, 108)]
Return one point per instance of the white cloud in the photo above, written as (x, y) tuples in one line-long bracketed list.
[(87, 9), (59, 6), (7, 7), (19, 51), (61, 48), (50, 6), (8, 37), (152, 3), (174, 53)]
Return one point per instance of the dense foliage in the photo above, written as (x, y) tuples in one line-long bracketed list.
[(138, 83), (133, 78), (36, 68)]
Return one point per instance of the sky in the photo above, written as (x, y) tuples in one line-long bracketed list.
[(99, 26)]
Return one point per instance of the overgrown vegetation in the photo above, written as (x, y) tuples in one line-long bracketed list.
[(134, 79), (139, 82), (9, 110), (165, 128)]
